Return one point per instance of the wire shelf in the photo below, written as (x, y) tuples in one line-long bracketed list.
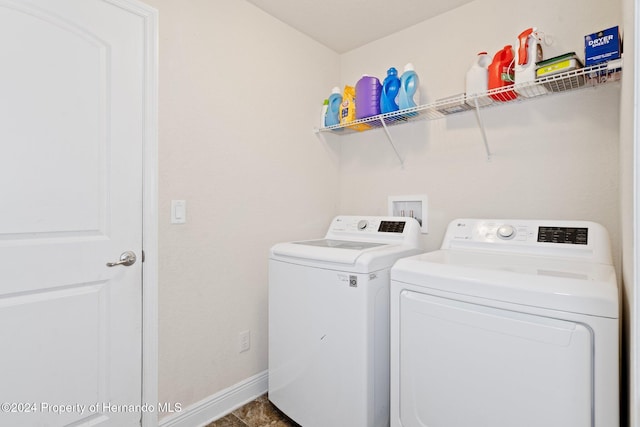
[(563, 82)]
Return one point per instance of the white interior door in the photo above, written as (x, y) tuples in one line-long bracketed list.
[(71, 137)]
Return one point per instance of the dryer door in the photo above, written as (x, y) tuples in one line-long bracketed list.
[(464, 364)]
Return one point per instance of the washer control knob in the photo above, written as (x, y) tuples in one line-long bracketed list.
[(506, 232), (362, 224)]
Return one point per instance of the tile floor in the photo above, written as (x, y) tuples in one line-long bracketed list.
[(257, 413)]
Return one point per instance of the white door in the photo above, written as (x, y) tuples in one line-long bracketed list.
[(71, 132)]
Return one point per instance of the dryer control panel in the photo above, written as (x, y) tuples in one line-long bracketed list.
[(573, 239)]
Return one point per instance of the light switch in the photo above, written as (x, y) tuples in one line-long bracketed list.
[(178, 211)]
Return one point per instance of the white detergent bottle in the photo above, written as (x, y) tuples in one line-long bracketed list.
[(477, 81), (323, 113)]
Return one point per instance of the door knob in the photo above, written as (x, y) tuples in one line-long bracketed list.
[(127, 258)]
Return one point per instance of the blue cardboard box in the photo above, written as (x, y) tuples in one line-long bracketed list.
[(602, 46)]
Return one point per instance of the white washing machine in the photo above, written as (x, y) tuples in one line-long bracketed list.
[(510, 323), (329, 321)]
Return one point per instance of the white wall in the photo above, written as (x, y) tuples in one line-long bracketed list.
[(629, 214), (561, 157), (237, 92), (239, 95), (555, 157)]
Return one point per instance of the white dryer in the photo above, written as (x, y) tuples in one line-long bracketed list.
[(511, 323), (329, 321)]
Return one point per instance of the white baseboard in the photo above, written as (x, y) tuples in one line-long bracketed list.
[(219, 404)]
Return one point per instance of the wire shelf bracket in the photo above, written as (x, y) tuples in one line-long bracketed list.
[(481, 126), (386, 130)]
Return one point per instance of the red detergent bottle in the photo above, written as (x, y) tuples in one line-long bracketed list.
[(501, 74)]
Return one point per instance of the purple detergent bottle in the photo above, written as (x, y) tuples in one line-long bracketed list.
[(368, 91), (390, 90)]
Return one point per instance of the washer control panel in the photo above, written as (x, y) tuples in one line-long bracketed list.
[(370, 225), (387, 229)]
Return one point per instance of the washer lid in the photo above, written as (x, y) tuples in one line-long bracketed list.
[(339, 244), (348, 255), (552, 283), (355, 243)]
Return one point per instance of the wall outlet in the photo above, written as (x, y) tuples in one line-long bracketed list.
[(245, 341)]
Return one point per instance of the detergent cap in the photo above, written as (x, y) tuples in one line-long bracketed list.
[(336, 89), (409, 67)]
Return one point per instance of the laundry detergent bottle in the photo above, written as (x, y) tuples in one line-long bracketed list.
[(368, 91), (333, 108), (390, 90), (348, 109), (409, 84), (323, 113), (501, 74), (477, 81)]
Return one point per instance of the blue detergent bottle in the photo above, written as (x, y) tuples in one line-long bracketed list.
[(390, 90), (409, 83), (333, 110)]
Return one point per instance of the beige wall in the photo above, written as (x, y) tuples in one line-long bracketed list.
[(628, 185), (555, 157), (239, 95), (564, 157)]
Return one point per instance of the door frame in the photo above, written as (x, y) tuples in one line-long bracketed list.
[(633, 334), (149, 392)]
